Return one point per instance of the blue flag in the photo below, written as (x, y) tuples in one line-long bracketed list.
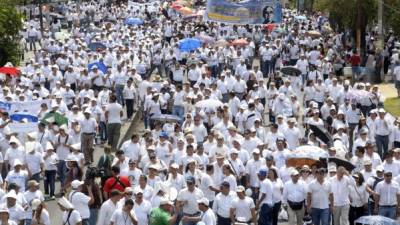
[(100, 66)]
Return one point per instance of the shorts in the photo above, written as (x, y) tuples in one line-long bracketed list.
[(397, 84)]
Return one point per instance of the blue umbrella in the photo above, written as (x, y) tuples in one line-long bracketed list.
[(300, 18), (133, 21), (189, 44), (100, 66), (376, 220), (96, 45)]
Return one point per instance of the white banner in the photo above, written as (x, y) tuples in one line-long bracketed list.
[(23, 128), (29, 107)]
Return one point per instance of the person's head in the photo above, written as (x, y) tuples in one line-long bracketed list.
[(388, 176), (120, 155), (4, 214), (142, 180), (210, 169), (190, 183), (166, 205), (128, 205), (272, 174), (320, 173), (295, 175), (115, 170), (241, 192), (359, 178), (33, 185), (262, 174), (203, 204), (11, 197), (225, 188), (341, 171)]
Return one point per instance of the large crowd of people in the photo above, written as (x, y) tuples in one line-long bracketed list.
[(256, 131)]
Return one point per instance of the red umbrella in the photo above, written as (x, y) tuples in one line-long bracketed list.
[(270, 27), (240, 42), (9, 70)]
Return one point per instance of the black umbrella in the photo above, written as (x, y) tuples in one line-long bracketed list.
[(96, 45), (291, 71), (342, 162), (322, 134)]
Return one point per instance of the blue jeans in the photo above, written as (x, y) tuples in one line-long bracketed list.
[(382, 144), (103, 131), (93, 216), (28, 221), (49, 182), (265, 216), (388, 211), (178, 111), (61, 171), (320, 216), (120, 95)]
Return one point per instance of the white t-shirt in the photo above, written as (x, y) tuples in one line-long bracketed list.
[(191, 197), (114, 110), (208, 217), (73, 219), (17, 178), (266, 188), (119, 217), (80, 201), (142, 212), (243, 207)]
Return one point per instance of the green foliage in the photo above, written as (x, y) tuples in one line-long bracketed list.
[(392, 105), (391, 15), (10, 25)]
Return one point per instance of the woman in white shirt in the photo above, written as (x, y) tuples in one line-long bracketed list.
[(40, 215), (358, 197), (229, 176), (277, 186), (309, 92)]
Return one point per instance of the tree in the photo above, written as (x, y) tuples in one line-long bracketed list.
[(10, 25), (353, 15), (391, 15)]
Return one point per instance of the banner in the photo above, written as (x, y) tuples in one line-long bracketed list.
[(23, 128), (244, 11), (29, 107)]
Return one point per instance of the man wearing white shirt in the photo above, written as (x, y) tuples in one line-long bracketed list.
[(294, 195), (141, 208), (187, 199), (88, 132), (124, 216), (243, 208), (113, 118), (81, 201), (223, 203), (387, 197), (132, 148), (340, 187), (207, 215), (382, 132), (319, 199), (108, 208), (265, 200)]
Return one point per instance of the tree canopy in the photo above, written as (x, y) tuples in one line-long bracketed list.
[(10, 25)]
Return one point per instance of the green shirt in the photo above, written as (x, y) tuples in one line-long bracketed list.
[(159, 217)]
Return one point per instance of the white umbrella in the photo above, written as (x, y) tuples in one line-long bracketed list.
[(209, 103)]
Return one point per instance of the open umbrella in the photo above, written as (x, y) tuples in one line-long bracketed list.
[(94, 46), (165, 118), (291, 71), (189, 44), (61, 35), (341, 162), (300, 18), (306, 155), (13, 71), (322, 134), (206, 39), (376, 220), (133, 21), (56, 15), (313, 33), (185, 11), (100, 65), (209, 103), (221, 43), (240, 42)]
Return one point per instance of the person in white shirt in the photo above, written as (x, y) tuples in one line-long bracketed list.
[(223, 203), (34, 161), (387, 196), (141, 208), (17, 176), (319, 199), (80, 200), (187, 198), (108, 208), (265, 200), (359, 198), (88, 132), (124, 216), (207, 215), (340, 187), (243, 208), (294, 196), (382, 132), (129, 93), (113, 115), (70, 215)]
